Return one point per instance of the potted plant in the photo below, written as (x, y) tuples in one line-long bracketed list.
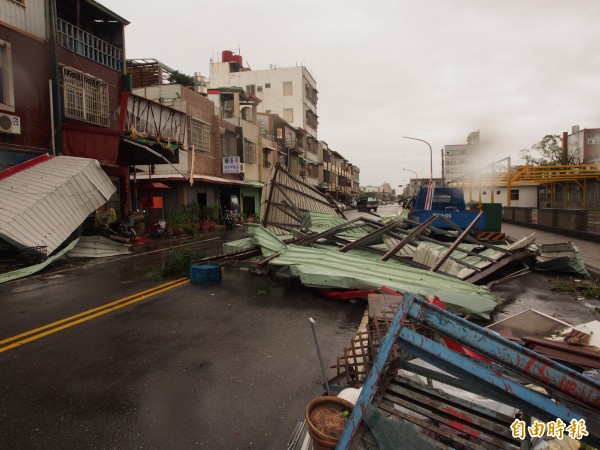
[(326, 418), (208, 217)]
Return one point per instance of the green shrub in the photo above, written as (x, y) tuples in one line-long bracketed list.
[(184, 216), (189, 229), (176, 264), (585, 289)]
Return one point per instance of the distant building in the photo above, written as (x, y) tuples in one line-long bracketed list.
[(461, 159), (355, 180), (584, 145), (414, 184), (371, 189)]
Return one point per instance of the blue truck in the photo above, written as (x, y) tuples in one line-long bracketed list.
[(448, 202)]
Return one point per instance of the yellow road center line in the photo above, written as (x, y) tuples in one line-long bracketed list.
[(100, 311), (108, 305)]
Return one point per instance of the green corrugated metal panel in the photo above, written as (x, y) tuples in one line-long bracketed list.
[(399, 217), (318, 267), (239, 245), (268, 242), (564, 257), (319, 222), (30, 270)]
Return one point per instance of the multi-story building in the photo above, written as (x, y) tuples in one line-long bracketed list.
[(288, 112), (355, 181), (154, 88), (290, 92), (273, 145), (459, 159), (327, 178), (218, 165), (583, 146), (239, 108), (344, 174), (79, 47), (25, 128), (310, 159), (288, 143), (388, 192)]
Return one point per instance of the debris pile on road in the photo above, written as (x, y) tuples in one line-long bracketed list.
[(577, 346), (302, 234), (460, 384)]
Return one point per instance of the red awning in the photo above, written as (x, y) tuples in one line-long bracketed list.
[(152, 185)]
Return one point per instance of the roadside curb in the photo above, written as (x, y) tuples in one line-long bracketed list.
[(584, 235)]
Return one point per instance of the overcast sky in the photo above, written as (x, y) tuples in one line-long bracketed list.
[(433, 69)]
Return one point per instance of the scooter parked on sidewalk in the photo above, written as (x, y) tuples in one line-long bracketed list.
[(161, 230), (230, 219)]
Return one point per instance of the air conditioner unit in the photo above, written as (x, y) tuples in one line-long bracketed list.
[(10, 124), (591, 141)]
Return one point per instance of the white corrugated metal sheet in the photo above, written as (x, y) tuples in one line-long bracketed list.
[(43, 204), (286, 200)]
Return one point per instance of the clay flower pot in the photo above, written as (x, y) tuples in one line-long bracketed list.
[(326, 418)]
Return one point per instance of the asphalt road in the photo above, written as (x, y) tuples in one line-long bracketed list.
[(222, 366)]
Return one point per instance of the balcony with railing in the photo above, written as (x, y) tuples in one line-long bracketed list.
[(89, 46)]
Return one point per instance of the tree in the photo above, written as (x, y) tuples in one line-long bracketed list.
[(547, 152), (181, 78)]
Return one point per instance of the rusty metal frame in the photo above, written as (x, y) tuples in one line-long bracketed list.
[(579, 395)]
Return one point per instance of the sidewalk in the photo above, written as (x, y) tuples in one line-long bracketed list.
[(590, 251)]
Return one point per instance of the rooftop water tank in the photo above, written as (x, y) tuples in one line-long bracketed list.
[(227, 56)]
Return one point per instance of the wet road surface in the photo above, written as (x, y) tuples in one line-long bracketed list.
[(229, 365)]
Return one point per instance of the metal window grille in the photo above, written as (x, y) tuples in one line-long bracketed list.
[(228, 145), (85, 97), (7, 93), (199, 135), (249, 151)]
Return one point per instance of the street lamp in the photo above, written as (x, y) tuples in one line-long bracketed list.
[(430, 156), (408, 170), (412, 189)]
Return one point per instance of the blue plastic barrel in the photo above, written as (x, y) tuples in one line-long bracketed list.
[(205, 273)]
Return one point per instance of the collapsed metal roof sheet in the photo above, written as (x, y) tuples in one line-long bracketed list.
[(44, 200), (323, 268), (285, 201)]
